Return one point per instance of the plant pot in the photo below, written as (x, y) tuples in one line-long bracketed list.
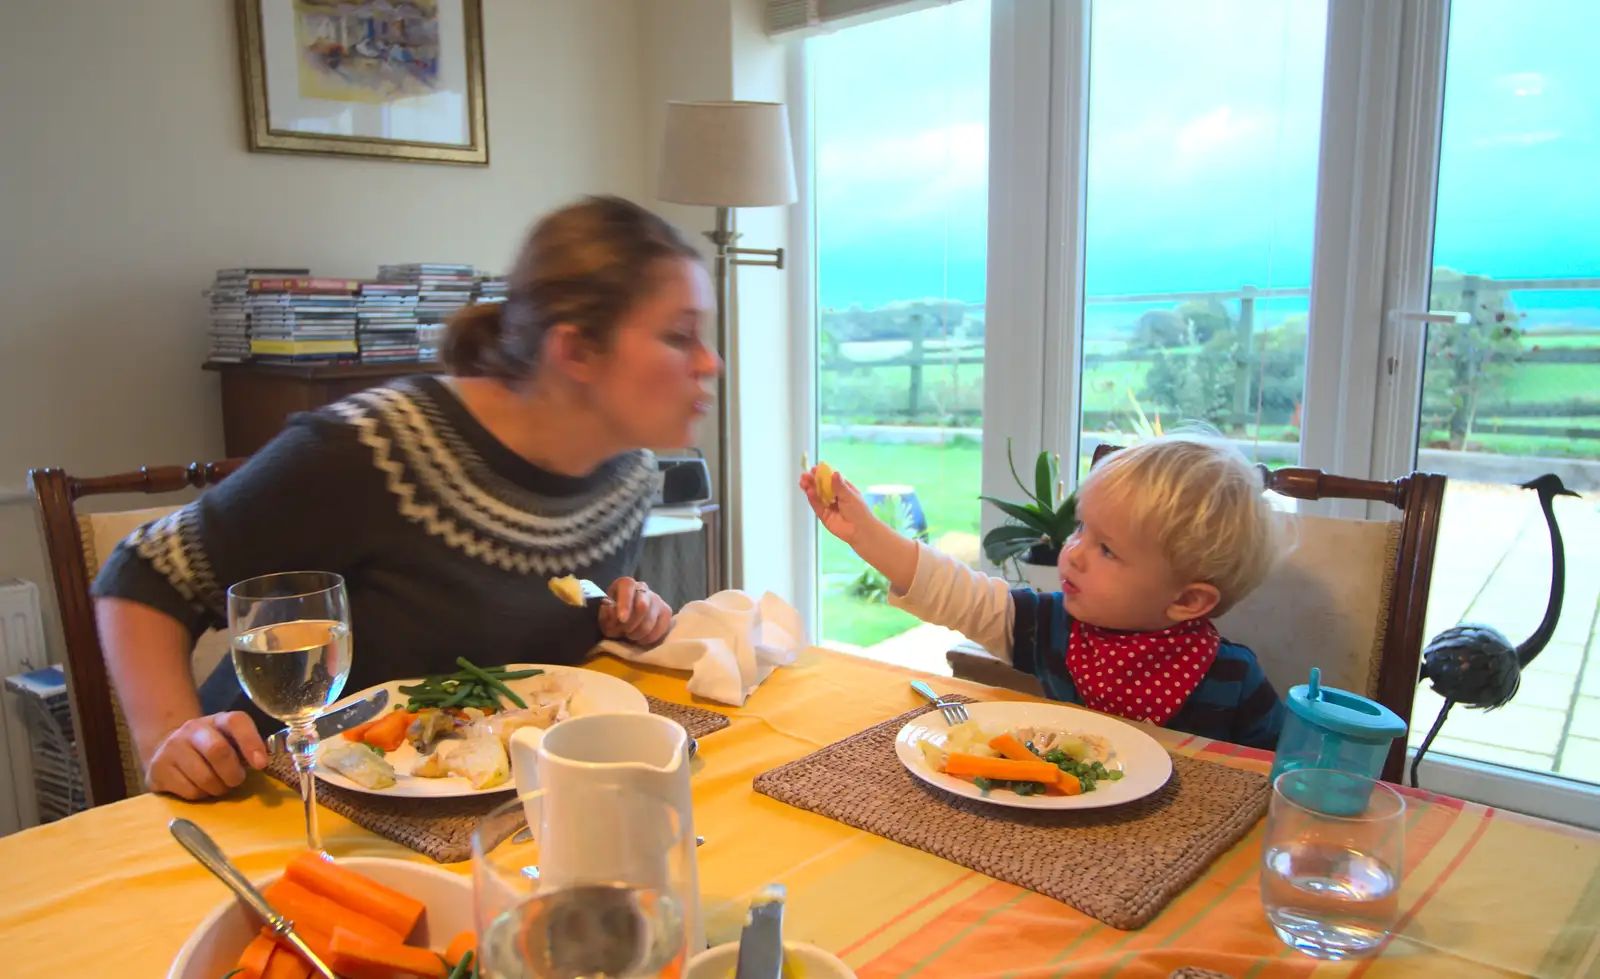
[(1041, 577)]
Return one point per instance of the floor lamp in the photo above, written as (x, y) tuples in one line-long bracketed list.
[(727, 155)]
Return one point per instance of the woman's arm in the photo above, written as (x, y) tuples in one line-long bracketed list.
[(297, 503), (147, 653)]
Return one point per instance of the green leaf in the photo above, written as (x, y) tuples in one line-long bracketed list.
[(1044, 480), (1027, 515), (1010, 533), (1065, 520), (1020, 484)]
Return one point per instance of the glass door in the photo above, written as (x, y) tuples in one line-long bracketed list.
[(1204, 125), (1502, 368), (899, 111)]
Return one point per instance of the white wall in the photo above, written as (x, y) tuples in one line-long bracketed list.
[(713, 50), (125, 182)]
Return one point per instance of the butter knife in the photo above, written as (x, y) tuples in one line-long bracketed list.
[(204, 849), (337, 721), (761, 943)]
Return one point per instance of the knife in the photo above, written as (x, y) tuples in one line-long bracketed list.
[(337, 721), (761, 943)]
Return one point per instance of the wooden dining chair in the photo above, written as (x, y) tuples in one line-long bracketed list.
[(76, 545), (1350, 597)]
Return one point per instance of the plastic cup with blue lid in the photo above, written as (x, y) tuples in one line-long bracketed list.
[(1340, 732)]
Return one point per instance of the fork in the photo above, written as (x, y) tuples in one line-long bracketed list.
[(954, 713)]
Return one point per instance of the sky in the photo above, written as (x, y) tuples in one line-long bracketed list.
[(1204, 125)]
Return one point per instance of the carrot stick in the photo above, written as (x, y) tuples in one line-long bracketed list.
[(359, 732), (320, 942), (1008, 745), (388, 907), (320, 914), (460, 945), (358, 957), (390, 730), (1003, 769), (1069, 784), (286, 964), (256, 956)]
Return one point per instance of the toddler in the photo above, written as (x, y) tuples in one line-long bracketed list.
[(1171, 532)]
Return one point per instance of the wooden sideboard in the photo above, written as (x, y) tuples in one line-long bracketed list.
[(257, 400)]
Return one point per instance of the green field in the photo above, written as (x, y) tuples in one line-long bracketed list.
[(946, 479)]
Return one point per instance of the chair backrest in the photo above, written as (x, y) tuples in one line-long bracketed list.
[(1351, 596), (75, 545)]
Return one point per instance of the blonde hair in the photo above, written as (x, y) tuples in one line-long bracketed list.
[(1203, 504)]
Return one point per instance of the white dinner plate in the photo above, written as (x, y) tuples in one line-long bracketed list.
[(1145, 765), (597, 693)]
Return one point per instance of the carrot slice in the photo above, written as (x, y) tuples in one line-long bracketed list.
[(390, 730), (256, 957), (286, 964), (460, 945), (1008, 745), (1004, 769), (388, 907), (316, 912), (359, 732), (359, 957)]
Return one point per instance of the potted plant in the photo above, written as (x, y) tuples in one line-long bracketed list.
[(1036, 529)]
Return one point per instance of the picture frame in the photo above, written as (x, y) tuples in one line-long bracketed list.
[(383, 79)]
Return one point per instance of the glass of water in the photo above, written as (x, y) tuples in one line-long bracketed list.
[(593, 885), (291, 650), (1331, 865)]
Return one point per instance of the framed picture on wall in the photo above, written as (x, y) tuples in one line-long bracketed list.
[(392, 79)]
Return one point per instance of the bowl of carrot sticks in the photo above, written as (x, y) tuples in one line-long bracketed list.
[(364, 916)]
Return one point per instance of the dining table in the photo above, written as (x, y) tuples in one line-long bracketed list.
[(1486, 892)]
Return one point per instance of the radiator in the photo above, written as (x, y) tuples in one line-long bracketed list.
[(21, 649)]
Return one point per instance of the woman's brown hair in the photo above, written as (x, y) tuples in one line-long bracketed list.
[(586, 264)]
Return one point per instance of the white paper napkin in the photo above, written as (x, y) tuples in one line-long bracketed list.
[(731, 641)]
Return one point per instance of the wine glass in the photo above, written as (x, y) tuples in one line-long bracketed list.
[(596, 888), (291, 650), (1331, 863)]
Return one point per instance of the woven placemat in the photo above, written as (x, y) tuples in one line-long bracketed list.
[(442, 828), (1120, 865)]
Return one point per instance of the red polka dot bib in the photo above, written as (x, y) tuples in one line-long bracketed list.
[(1144, 676)]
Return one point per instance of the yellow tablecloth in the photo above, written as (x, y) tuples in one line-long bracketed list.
[(1487, 893)]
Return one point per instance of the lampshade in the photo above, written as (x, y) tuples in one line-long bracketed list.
[(726, 154)]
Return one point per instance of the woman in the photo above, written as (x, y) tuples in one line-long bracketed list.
[(447, 503)]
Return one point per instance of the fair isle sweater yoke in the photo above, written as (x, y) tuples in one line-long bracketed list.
[(446, 538)]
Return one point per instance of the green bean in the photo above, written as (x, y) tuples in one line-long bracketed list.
[(504, 674), (454, 700), (462, 966), (493, 683)]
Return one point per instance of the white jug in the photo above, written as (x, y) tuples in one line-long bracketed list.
[(646, 753)]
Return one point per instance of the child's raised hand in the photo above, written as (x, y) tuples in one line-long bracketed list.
[(848, 517)]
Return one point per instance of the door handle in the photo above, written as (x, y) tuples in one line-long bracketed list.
[(1444, 317)]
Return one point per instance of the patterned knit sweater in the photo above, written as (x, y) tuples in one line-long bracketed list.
[(444, 536)]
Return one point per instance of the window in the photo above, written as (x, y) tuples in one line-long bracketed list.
[(900, 110), (1203, 136)]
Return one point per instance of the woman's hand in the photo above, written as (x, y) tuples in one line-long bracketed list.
[(636, 614), (207, 756)]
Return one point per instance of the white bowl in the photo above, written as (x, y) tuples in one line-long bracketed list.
[(721, 961), (216, 943)]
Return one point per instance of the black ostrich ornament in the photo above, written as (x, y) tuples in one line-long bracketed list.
[(1475, 664)]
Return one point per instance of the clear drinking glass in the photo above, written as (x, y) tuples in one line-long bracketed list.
[(1331, 883), (607, 901), (291, 650)]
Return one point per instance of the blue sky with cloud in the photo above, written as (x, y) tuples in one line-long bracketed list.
[(1204, 129)]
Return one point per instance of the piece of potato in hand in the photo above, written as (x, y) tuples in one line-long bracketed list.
[(824, 475)]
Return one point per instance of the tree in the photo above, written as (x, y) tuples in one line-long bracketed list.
[(1468, 363), (1161, 328)]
